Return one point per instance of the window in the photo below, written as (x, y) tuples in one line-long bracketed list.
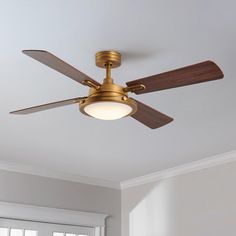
[(4, 231), (17, 232), (10, 227), (66, 234), (49, 221)]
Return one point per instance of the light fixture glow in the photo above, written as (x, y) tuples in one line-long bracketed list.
[(108, 110)]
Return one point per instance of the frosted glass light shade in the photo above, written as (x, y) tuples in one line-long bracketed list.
[(108, 110)]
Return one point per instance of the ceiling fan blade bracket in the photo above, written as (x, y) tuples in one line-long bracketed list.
[(90, 84), (134, 88)]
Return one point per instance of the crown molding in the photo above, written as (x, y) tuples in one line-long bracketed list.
[(163, 174), (50, 173), (180, 170)]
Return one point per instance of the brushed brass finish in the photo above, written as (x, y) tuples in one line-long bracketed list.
[(108, 92), (90, 84), (107, 87), (108, 78), (134, 88), (105, 57)]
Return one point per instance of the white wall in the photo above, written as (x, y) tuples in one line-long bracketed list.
[(48, 192), (201, 203)]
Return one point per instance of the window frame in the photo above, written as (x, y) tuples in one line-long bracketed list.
[(54, 215)]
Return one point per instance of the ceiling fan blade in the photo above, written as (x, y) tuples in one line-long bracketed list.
[(59, 65), (47, 106), (150, 117), (197, 73)]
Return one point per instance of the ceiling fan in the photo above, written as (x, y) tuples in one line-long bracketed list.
[(110, 101)]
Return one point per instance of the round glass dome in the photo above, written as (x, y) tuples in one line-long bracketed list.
[(108, 110)]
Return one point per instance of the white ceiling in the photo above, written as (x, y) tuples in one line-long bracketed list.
[(153, 36)]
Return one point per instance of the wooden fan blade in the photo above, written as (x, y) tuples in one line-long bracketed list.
[(46, 106), (150, 117), (59, 65), (198, 73)]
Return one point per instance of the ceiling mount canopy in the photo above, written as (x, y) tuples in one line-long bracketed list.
[(110, 101)]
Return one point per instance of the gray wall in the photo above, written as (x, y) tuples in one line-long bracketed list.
[(201, 203), (48, 192)]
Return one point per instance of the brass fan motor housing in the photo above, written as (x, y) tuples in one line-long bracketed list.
[(108, 92)]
